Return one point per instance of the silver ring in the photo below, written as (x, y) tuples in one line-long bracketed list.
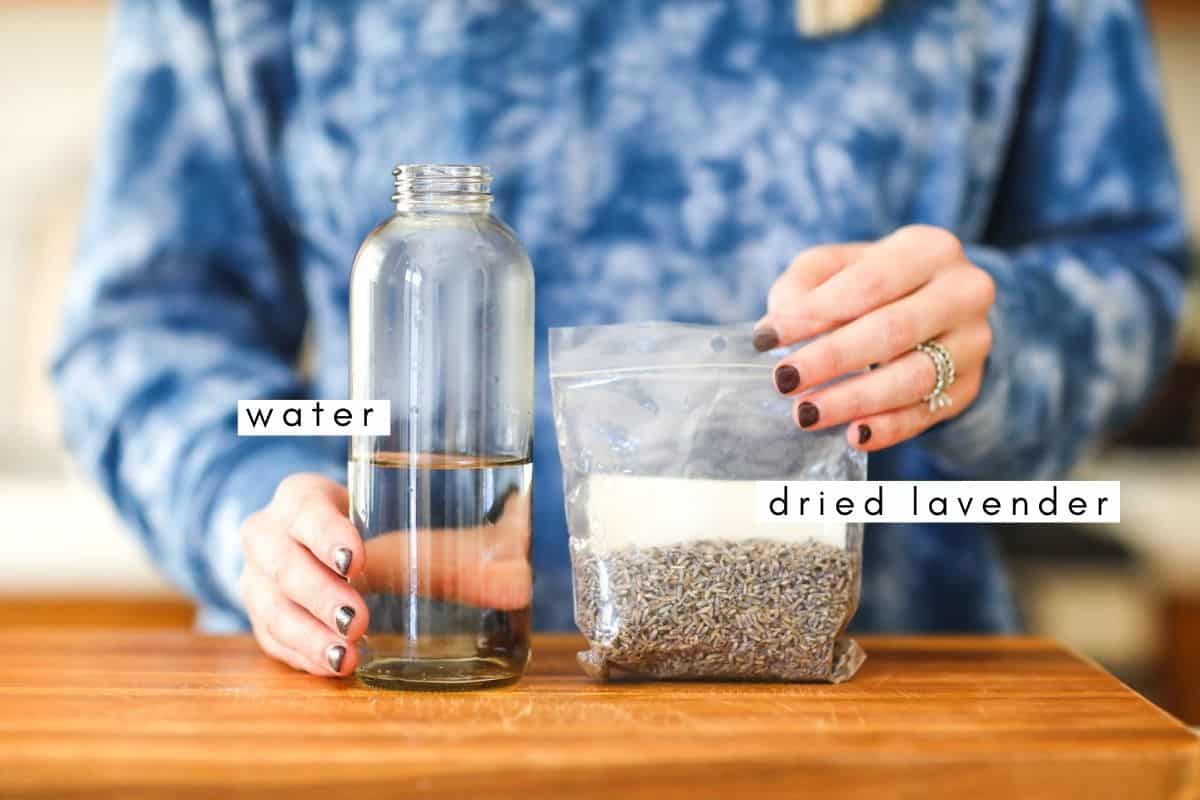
[(943, 365)]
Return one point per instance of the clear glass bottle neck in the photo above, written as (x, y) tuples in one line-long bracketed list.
[(442, 188)]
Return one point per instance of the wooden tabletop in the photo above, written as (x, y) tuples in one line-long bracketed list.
[(149, 714)]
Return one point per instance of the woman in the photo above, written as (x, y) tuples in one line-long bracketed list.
[(991, 176)]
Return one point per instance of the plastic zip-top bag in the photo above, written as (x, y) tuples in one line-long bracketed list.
[(664, 429)]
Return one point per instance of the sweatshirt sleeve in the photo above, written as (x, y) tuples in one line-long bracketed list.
[(186, 298), (1088, 248)]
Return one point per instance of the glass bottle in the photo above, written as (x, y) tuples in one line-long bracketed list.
[(441, 324)]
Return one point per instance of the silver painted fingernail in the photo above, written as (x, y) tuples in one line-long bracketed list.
[(336, 654), (497, 510), (341, 560), (343, 618)]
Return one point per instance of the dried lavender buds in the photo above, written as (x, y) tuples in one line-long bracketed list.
[(757, 609)]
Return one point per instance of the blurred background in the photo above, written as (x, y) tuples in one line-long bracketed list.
[(1127, 595)]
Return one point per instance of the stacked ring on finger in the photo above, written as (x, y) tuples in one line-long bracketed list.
[(943, 365)]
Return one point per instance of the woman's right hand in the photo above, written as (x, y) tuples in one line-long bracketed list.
[(300, 550), (307, 567)]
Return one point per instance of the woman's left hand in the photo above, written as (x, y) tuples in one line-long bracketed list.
[(875, 303)]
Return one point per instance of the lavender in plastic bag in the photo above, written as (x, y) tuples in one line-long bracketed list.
[(663, 430)]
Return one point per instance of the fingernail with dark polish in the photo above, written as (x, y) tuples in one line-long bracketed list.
[(807, 415), (336, 654), (343, 618), (497, 510), (765, 338), (786, 378), (864, 434), (341, 560)]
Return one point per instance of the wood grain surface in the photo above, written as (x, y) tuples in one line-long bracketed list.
[(127, 714), (92, 610)]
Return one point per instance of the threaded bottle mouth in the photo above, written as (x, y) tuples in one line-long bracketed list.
[(450, 185)]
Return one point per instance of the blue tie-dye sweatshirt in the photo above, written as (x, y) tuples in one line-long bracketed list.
[(661, 159)]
